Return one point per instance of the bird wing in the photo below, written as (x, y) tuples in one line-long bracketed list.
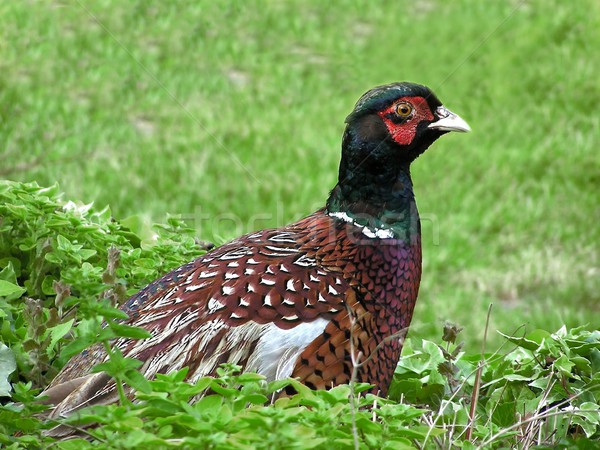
[(257, 301)]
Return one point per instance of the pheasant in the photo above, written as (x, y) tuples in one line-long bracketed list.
[(322, 300)]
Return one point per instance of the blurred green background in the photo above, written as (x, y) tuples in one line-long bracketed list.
[(231, 113)]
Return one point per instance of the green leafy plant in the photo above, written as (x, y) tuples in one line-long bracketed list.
[(545, 391), (64, 268)]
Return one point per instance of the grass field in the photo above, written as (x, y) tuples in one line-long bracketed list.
[(231, 115)]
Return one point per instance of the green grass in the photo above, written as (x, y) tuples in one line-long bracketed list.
[(231, 115)]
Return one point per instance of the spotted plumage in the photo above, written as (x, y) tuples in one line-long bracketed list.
[(320, 299)]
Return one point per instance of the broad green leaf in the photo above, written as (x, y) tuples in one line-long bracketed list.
[(589, 428), (398, 444), (531, 342), (249, 377), (56, 334), (109, 312), (9, 289), (117, 364), (9, 274), (76, 346), (47, 285), (255, 399), (128, 331), (538, 336), (7, 366), (63, 243), (504, 414), (176, 376), (12, 268), (583, 364), (412, 433), (583, 347), (137, 381), (86, 254), (163, 407), (564, 365), (405, 389), (590, 411), (209, 403)]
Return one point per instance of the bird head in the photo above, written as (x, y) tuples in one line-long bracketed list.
[(397, 122), (389, 127)]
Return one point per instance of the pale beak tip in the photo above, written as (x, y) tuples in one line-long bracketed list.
[(448, 121), (464, 127)]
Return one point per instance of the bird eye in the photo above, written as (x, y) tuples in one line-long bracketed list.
[(404, 109)]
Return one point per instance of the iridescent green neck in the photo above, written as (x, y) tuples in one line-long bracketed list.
[(383, 203)]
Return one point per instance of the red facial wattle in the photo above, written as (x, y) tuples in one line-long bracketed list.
[(404, 132)]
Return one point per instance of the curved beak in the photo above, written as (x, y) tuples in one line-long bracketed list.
[(448, 121)]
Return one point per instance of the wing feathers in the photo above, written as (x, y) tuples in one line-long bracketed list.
[(258, 301)]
